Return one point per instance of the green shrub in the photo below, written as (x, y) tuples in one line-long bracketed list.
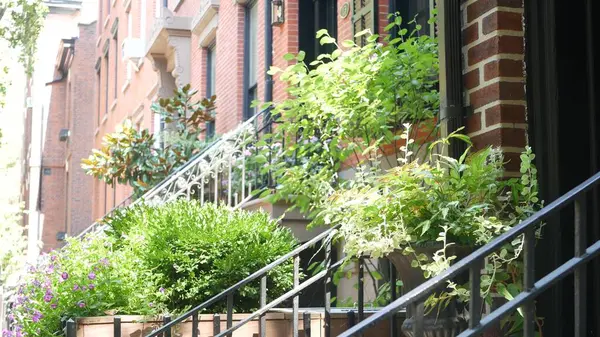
[(196, 251), (88, 277)]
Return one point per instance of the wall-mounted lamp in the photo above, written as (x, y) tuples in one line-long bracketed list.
[(277, 14)]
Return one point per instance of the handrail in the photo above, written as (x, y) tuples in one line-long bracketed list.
[(178, 172), (472, 262), (260, 273)]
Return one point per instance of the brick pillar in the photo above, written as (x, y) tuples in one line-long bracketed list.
[(493, 51)]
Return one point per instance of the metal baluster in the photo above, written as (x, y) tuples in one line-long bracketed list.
[(244, 172), (195, 325), (229, 312), (117, 326), (166, 321), (216, 185), (476, 302), (306, 323), (296, 299), (529, 280), (394, 296), (419, 317), (327, 308), (361, 289), (262, 326), (216, 324), (202, 191), (229, 182), (71, 328), (351, 317), (580, 311)]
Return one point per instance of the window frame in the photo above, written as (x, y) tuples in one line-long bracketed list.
[(250, 89), (211, 72)]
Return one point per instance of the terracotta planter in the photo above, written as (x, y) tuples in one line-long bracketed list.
[(438, 323)]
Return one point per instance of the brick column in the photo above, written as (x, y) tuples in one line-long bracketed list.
[(493, 72)]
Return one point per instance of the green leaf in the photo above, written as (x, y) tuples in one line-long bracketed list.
[(289, 56)]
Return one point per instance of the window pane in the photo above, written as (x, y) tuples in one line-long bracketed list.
[(252, 48), (211, 72)]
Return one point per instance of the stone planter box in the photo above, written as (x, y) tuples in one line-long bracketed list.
[(279, 324)]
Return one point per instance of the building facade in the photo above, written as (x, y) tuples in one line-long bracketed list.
[(58, 127)]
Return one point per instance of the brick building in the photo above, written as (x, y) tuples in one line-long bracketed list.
[(58, 127)]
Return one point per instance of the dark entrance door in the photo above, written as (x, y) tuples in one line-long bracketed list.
[(315, 15), (562, 86)]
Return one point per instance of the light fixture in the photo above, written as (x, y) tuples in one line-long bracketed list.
[(277, 14)]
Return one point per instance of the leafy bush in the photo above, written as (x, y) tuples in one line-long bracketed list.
[(347, 105), (464, 202), (88, 277), (196, 251), (129, 156)]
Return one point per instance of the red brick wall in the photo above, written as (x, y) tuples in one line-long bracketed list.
[(493, 75), (82, 80), (53, 161)]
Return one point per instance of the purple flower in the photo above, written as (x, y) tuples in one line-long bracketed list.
[(64, 276), (150, 304), (314, 139), (75, 287), (92, 276), (84, 288), (104, 261), (247, 153), (36, 316), (48, 298), (31, 269), (7, 333), (91, 286), (81, 304), (50, 269), (10, 317), (36, 283), (162, 290), (53, 258), (53, 305)]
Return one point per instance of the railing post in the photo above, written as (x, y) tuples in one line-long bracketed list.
[(475, 302), (216, 324), (394, 296), (296, 300), (529, 280), (166, 321), (306, 323), (419, 320), (327, 304), (195, 325), (580, 289), (262, 326), (71, 328), (117, 326), (361, 289), (229, 312), (351, 317)]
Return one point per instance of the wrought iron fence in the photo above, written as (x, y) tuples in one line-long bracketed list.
[(477, 324), (220, 173)]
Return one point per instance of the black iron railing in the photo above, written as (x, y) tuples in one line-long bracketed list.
[(228, 294), (532, 288)]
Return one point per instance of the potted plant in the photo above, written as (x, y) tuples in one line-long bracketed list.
[(426, 213)]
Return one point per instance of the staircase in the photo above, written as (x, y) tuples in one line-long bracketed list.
[(220, 173)]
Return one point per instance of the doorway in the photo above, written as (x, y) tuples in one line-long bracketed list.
[(562, 86), (315, 15)]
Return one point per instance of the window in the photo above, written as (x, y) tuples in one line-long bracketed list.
[(115, 35), (316, 15), (107, 7), (129, 23), (106, 83), (98, 86), (251, 65), (415, 9), (211, 72)]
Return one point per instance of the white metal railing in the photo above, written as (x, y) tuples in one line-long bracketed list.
[(220, 173)]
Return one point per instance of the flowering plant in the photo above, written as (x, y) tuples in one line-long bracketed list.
[(86, 278)]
